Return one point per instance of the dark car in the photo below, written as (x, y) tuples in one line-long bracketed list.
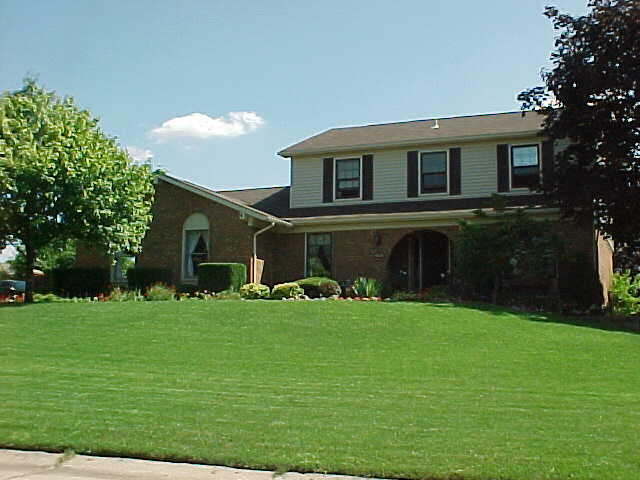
[(12, 286)]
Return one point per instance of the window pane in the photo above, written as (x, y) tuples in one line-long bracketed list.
[(525, 177), (433, 170), (348, 178), (196, 251), (348, 168), (348, 184), (319, 254), (434, 162), (316, 239), (434, 182), (524, 156)]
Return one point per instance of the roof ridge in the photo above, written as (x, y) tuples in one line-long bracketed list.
[(429, 119)]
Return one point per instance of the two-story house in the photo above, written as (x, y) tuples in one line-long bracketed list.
[(380, 201)]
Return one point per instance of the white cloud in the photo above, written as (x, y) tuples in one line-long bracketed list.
[(139, 155), (201, 126), (8, 253)]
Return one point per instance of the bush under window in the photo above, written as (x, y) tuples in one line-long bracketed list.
[(218, 277)]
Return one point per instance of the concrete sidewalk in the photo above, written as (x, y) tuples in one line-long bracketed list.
[(23, 465)]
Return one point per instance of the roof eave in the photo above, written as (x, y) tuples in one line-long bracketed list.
[(291, 152), (454, 215)]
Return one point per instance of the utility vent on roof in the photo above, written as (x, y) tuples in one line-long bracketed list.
[(435, 125)]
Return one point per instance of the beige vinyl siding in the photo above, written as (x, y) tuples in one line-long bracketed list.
[(306, 181), (478, 163)]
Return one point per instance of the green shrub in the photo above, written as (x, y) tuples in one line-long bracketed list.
[(141, 278), (287, 290), (625, 294), (80, 282), (402, 296), (160, 292), (435, 293), (227, 295), (217, 277), (329, 288), (315, 287), (512, 250), (254, 291), (366, 287), (48, 298), (579, 283), (119, 295)]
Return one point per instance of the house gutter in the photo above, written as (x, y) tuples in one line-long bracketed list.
[(452, 216), (254, 260)]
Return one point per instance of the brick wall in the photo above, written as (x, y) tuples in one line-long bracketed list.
[(366, 253), (230, 236), (355, 253), (283, 256)]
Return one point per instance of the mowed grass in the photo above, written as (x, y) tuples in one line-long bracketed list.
[(389, 390)]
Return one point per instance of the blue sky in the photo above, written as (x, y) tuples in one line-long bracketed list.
[(166, 77)]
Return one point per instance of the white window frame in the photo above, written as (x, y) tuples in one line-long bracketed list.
[(306, 250), (183, 269), (447, 173), (527, 144), (335, 179)]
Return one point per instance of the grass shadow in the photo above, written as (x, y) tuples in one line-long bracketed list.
[(602, 322)]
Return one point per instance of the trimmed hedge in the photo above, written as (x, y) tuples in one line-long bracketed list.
[(315, 287), (141, 278), (80, 282), (218, 277)]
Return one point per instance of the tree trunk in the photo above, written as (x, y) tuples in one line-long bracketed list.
[(30, 255)]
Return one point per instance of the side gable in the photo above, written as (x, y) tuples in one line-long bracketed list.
[(224, 200)]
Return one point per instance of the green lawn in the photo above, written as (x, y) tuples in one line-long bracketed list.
[(391, 390)]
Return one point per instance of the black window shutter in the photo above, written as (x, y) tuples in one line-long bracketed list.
[(367, 177), (412, 174), (327, 181), (503, 167), (455, 171), (548, 164)]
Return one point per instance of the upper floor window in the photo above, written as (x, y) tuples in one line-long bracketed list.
[(195, 244), (347, 178), (525, 166), (433, 172)]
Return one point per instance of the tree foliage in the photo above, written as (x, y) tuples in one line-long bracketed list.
[(50, 257), (513, 247), (62, 178), (591, 98)]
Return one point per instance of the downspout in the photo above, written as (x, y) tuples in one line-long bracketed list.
[(254, 260)]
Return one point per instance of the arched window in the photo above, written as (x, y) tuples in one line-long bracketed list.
[(195, 244)]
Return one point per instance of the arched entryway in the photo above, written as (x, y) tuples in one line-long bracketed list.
[(419, 260)]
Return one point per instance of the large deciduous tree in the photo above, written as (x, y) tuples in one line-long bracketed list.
[(591, 98), (62, 178)]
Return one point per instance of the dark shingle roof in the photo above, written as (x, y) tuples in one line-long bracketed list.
[(272, 200), (416, 131)]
